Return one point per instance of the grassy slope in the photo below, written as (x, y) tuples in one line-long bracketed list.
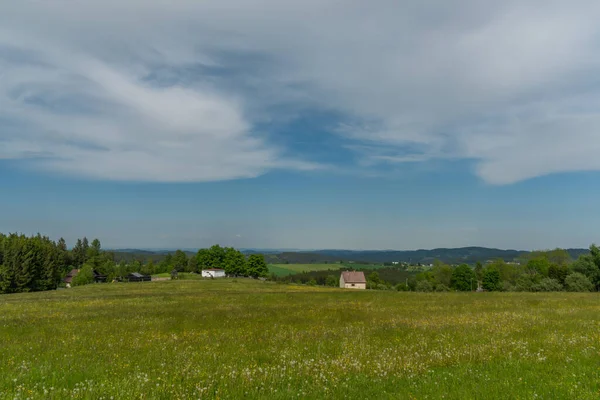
[(244, 338)]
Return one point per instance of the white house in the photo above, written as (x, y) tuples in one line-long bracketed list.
[(353, 280), (213, 273)]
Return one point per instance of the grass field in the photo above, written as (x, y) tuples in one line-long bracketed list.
[(250, 339), (290, 269)]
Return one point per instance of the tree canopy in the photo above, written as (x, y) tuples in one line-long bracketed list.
[(463, 278)]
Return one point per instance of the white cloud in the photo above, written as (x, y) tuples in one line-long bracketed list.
[(73, 112), (510, 85)]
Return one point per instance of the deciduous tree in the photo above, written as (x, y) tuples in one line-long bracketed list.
[(180, 261), (257, 267), (234, 262), (463, 278), (491, 279)]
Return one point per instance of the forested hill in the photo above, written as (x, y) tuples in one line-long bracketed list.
[(467, 255), (448, 255), (423, 256)]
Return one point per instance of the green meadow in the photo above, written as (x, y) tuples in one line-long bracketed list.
[(232, 339), (291, 269)]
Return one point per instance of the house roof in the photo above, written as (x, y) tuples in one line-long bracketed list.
[(354, 277), (70, 276), (137, 274)]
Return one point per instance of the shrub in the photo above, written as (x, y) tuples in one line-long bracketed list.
[(382, 286), (525, 283), (402, 287), (424, 286), (577, 282), (558, 272), (331, 281), (374, 277), (84, 277), (547, 285), (440, 287), (508, 287)]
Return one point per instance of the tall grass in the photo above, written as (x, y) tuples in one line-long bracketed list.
[(249, 339)]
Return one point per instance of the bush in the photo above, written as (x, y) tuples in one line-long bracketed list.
[(312, 282), (526, 283), (547, 285), (558, 272), (424, 286), (84, 277), (577, 282), (374, 278), (332, 281), (508, 287), (402, 287), (440, 287), (382, 286)]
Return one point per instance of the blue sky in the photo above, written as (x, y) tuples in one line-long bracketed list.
[(313, 124)]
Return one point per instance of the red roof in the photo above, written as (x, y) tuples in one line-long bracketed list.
[(354, 277)]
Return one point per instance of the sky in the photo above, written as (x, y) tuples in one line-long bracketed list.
[(393, 124)]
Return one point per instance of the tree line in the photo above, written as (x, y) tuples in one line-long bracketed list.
[(36, 263), (540, 271)]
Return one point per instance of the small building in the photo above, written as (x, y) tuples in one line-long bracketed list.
[(353, 280), (213, 273), (137, 277), (99, 278), (69, 278)]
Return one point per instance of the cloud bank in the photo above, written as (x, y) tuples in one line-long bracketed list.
[(176, 91)]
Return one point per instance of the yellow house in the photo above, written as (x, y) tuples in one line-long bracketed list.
[(353, 280)]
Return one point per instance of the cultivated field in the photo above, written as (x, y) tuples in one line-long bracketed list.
[(250, 339), (290, 269)]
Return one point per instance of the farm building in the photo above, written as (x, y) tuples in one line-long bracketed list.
[(213, 273), (353, 280), (69, 278), (99, 278), (137, 277)]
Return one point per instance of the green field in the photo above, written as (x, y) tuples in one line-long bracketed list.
[(291, 269), (232, 339)]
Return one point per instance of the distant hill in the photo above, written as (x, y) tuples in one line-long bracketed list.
[(156, 256), (469, 255)]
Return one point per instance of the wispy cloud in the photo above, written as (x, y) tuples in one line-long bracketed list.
[(95, 89)]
